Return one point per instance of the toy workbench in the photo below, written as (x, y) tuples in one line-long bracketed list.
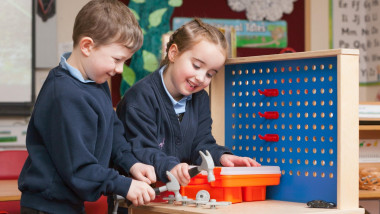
[(298, 111)]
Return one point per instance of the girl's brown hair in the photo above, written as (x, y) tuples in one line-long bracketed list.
[(191, 33), (108, 21)]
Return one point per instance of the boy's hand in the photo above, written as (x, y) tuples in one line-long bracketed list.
[(233, 160), (181, 172), (140, 193), (143, 172)]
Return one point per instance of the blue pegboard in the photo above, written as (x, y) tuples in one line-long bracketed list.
[(307, 124)]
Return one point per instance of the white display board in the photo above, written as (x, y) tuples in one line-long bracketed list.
[(16, 56)]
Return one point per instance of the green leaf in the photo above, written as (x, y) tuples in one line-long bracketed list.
[(143, 31), (138, 1), (150, 61), (135, 14), (128, 75), (155, 17), (175, 3)]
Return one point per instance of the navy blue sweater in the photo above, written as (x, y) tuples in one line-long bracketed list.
[(157, 137), (72, 135)]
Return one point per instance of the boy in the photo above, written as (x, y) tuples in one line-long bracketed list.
[(74, 132)]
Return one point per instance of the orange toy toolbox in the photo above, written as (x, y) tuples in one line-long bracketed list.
[(235, 184)]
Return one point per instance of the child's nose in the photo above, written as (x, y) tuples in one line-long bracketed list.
[(200, 78), (119, 68)]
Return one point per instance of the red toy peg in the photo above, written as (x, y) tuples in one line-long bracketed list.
[(269, 92), (269, 137), (269, 114)]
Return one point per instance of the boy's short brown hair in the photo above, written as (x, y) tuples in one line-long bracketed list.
[(108, 21)]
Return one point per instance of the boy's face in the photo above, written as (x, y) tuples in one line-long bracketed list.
[(191, 71), (105, 61)]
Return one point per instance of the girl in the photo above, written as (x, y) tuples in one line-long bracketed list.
[(166, 115)]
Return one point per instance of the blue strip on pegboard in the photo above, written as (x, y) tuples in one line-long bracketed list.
[(307, 125)]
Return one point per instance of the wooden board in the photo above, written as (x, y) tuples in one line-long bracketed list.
[(267, 207), (9, 190)]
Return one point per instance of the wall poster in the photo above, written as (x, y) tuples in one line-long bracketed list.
[(249, 34), (356, 24)]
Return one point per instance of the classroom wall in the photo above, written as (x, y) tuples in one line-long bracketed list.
[(66, 12), (295, 28), (316, 38), (316, 25)]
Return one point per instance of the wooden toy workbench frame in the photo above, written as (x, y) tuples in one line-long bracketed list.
[(334, 101), (347, 87)]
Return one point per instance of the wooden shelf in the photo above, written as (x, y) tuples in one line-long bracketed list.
[(9, 190), (369, 194), (369, 127), (369, 119)]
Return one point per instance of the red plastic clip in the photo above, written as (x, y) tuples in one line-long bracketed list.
[(269, 137), (269, 92), (269, 114)]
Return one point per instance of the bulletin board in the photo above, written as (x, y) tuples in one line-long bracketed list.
[(16, 57), (299, 112)]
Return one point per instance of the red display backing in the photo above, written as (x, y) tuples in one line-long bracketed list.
[(220, 9)]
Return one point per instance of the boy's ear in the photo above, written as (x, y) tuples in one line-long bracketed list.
[(86, 44), (173, 52)]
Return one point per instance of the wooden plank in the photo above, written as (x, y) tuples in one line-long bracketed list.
[(307, 25), (289, 56), (267, 207), (348, 132), (369, 134), (369, 127), (217, 107), (369, 194), (9, 190), (369, 103)]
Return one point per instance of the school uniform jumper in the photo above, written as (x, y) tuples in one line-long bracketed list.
[(72, 134), (156, 135)]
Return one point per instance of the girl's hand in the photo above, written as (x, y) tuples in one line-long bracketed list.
[(233, 160), (181, 172), (143, 172)]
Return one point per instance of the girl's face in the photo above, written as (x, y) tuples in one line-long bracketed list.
[(105, 61), (191, 71)]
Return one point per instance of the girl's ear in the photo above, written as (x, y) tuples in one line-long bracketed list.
[(173, 52), (86, 44)]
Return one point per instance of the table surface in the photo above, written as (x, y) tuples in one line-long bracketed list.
[(9, 190), (268, 207)]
